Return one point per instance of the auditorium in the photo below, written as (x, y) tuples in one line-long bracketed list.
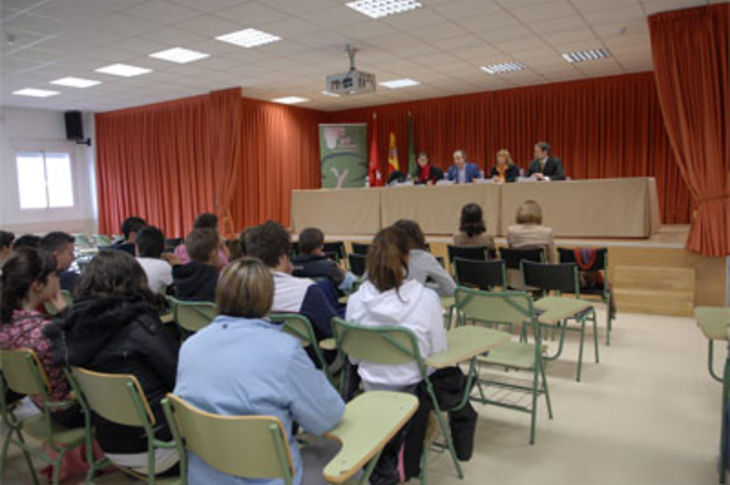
[(302, 242)]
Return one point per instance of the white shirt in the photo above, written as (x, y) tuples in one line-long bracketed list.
[(159, 274), (289, 292)]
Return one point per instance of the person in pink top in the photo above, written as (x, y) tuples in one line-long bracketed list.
[(205, 221)]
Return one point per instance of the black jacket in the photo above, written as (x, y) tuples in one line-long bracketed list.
[(316, 266), (119, 336), (509, 176), (553, 168), (195, 281)]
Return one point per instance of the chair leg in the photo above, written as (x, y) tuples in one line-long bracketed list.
[(608, 320), (6, 445), (595, 335), (547, 392), (446, 432), (58, 465), (533, 412), (580, 351), (424, 465)]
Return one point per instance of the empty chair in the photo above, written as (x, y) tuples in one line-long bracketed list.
[(357, 264), (484, 275), (360, 248), (336, 247), (512, 258)]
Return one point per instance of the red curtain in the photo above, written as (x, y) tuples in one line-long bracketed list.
[(690, 51), (605, 127)]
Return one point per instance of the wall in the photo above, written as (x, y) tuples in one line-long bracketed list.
[(37, 129)]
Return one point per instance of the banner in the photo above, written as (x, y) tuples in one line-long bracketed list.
[(343, 152)]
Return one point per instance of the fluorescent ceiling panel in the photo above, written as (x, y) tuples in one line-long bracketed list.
[(35, 93), (399, 83), (124, 70), (503, 67), (179, 55), (586, 55), (383, 8), (248, 38), (290, 100), (76, 82)]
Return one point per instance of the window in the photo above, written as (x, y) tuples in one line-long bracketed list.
[(44, 179)]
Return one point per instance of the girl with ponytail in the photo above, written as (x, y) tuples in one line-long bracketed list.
[(389, 297)]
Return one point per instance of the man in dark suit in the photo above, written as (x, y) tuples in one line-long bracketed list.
[(545, 167)]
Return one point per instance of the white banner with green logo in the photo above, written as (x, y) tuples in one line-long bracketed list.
[(343, 149)]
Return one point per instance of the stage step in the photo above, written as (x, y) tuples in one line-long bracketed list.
[(654, 289)]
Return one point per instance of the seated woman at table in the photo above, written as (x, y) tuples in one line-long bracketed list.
[(422, 266), (427, 173), (504, 170), (388, 297), (242, 364), (472, 229), (529, 232)]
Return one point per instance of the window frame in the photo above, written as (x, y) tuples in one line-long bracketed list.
[(44, 149)]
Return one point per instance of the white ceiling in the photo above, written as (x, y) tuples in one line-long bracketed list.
[(442, 45)]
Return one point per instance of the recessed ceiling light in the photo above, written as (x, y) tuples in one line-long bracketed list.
[(179, 55), (399, 83), (290, 100), (248, 38), (76, 82), (327, 93), (124, 70), (36, 93), (382, 8), (587, 55), (503, 67)]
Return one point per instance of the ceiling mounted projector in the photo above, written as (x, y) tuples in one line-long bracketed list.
[(352, 81)]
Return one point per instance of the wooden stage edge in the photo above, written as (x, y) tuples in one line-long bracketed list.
[(655, 275)]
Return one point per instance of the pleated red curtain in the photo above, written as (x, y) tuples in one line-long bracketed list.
[(690, 51)]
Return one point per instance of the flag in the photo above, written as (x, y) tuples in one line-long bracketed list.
[(411, 149), (375, 175), (392, 155)]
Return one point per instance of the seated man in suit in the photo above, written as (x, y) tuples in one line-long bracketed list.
[(463, 172), (545, 167)]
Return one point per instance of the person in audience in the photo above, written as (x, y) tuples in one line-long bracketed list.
[(270, 243), (61, 246), (206, 221), (6, 244), (243, 364), (422, 266), (27, 241), (504, 170), (312, 262), (150, 242), (113, 327), (235, 249), (130, 227), (388, 297), (428, 173), (529, 231), (463, 172), (197, 279), (544, 166), (28, 280), (472, 229)]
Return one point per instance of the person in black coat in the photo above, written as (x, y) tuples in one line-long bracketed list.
[(505, 170), (114, 327), (545, 167), (198, 279)]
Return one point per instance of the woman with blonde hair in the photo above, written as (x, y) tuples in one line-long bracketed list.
[(505, 170), (529, 231)]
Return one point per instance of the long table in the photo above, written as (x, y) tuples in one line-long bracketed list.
[(621, 208)]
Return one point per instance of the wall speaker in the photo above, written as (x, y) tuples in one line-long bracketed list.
[(75, 127)]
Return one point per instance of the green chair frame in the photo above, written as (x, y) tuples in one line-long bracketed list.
[(300, 327), (119, 398), (389, 345), (244, 446), (191, 316), (514, 308), (24, 374), (581, 318)]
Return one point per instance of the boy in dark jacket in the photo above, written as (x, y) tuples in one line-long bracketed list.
[(313, 263), (198, 279)]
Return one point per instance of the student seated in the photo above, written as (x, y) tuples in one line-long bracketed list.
[(312, 263), (205, 221), (150, 243), (472, 228), (6, 244), (388, 298), (197, 279), (422, 266), (242, 364), (270, 243), (28, 280), (130, 227), (529, 231), (61, 246), (113, 327), (27, 241)]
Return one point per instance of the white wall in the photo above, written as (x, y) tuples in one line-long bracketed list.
[(40, 129)]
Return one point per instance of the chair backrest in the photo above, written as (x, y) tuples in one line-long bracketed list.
[(357, 263), (337, 247), (297, 325), (497, 307), (24, 373), (567, 255), (480, 253), (243, 446), (513, 256), (481, 274), (360, 248), (561, 277), (192, 315), (115, 397), (379, 345)]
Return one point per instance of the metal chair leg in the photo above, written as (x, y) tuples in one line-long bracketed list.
[(547, 392), (580, 351), (595, 336)]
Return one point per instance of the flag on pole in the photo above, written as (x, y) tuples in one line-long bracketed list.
[(411, 148), (392, 155), (375, 175)]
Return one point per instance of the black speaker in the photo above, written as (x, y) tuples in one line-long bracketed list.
[(75, 127)]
